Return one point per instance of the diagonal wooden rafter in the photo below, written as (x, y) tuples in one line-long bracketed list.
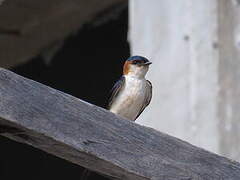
[(94, 138)]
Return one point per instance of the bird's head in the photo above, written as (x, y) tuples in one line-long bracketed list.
[(136, 66)]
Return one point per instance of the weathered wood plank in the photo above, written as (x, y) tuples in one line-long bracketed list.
[(92, 137)]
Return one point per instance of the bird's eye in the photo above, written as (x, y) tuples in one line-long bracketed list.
[(135, 62)]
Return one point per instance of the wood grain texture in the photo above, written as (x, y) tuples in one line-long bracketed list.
[(94, 138)]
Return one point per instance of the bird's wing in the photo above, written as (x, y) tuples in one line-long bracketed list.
[(115, 90), (148, 97)]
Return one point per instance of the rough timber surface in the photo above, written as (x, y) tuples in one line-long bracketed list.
[(94, 138)]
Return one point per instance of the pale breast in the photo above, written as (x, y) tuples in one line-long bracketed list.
[(130, 100)]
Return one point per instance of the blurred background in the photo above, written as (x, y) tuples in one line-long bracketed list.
[(79, 47)]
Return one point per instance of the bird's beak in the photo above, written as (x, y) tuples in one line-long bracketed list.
[(147, 63)]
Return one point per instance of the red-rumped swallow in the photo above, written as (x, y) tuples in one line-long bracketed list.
[(132, 93)]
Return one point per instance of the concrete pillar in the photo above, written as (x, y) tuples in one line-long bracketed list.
[(190, 43), (229, 78)]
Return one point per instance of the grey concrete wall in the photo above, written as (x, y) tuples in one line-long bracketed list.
[(194, 49), (229, 77)]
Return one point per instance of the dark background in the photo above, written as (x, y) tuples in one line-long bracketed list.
[(86, 67)]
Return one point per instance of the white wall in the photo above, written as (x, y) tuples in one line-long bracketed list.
[(181, 38)]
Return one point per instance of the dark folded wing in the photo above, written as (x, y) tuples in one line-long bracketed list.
[(148, 97), (115, 91)]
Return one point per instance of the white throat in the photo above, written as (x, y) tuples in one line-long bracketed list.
[(137, 72)]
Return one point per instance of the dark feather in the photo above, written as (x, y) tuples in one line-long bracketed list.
[(148, 98), (115, 90)]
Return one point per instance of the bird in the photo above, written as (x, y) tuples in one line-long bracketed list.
[(132, 93)]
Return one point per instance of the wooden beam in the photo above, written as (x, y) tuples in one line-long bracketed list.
[(94, 138)]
